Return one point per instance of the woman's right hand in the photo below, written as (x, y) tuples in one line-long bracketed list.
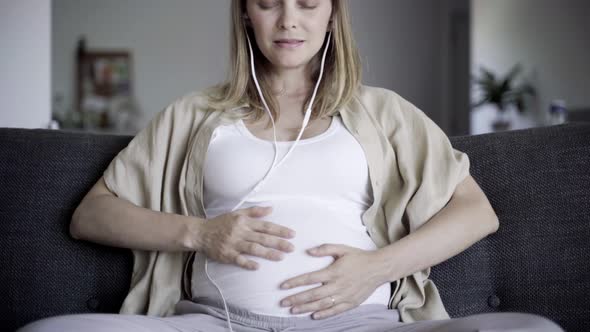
[(227, 237)]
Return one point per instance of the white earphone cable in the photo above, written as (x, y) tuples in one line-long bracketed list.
[(274, 164)]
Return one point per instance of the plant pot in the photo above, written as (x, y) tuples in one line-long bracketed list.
[(502, 121)]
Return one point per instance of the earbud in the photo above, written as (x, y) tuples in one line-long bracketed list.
[(274, 163), (246, 20)]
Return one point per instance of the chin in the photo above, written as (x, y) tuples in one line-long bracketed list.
[(290, 64)]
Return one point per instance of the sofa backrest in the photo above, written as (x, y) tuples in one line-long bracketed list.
[(44, 174), (538, 181)]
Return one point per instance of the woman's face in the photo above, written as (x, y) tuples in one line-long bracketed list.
[(289, 32)]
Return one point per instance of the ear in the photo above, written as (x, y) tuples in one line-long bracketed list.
[(246, 19)]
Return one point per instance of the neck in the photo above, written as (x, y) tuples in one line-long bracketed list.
[(291, 82)]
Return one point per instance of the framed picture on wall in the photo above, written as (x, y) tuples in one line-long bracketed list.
[(104, 82)]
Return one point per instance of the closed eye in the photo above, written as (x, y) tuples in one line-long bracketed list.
[(267, 4), (308, 4)]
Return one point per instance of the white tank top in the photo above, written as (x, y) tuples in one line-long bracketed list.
[(320, 191)]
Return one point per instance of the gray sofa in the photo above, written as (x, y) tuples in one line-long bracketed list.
[(538, 181)]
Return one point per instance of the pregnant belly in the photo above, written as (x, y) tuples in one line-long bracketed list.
[(258, 290)]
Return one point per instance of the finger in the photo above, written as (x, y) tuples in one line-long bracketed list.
[(255, 249), (245, 263), (332, 311), (257, 211), (307, 279), (270, 241), (309, 296), (321, 304), (272, 228), (334, 250)]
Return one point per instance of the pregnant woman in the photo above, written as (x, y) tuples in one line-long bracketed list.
[(289, 198)]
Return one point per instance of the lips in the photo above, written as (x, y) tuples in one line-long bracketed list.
[(289, 41), (289, 44)]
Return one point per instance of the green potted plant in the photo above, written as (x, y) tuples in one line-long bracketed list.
[(502, 93)]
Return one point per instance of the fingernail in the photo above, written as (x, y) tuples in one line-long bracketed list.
[(285, 303), (285, 286)]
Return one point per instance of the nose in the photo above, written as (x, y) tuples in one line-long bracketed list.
[(288, 19)]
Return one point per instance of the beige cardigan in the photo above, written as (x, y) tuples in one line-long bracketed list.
[(413, 170)]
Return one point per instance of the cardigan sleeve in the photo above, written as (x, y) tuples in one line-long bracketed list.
[(430, 167), (137, 172), (148, 173)]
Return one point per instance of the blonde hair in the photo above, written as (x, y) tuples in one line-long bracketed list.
[(340, 81)]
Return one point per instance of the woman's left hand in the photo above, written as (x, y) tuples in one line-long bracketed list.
[(346, 283)]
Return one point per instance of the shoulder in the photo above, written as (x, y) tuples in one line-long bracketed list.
[(191, 105), (194, 101), (180, 116), (387, 107)]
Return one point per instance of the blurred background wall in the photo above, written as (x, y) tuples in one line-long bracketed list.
[(25, 63), (550, 38), (426, 50), (182, 45)]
